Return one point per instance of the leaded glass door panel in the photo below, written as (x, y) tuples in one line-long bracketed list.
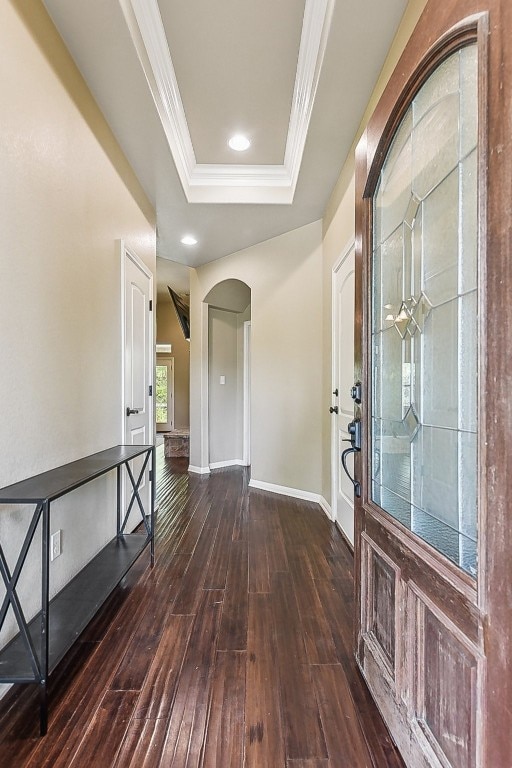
[(425, 313)]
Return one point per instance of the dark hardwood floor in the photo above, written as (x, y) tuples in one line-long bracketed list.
[(234, 650)]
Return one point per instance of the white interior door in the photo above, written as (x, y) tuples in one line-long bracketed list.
[(137, 366), (343, 379)]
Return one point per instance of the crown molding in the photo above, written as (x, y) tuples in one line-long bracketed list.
[(315, 31), (226, 183)]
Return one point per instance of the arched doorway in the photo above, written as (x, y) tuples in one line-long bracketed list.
[(229, 317)]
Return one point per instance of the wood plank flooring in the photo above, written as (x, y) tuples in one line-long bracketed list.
[(234, 651)]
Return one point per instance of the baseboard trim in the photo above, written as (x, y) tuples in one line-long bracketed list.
[(283, 490), (229, 463), (199, 470), (326, 507)]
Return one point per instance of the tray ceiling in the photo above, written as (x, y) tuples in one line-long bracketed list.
[(176, 79), (285, 69)]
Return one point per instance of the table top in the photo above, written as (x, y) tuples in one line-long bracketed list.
[(50, 485)]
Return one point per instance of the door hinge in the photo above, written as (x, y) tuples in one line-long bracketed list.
[(150, 475), (151, 305), (151, 390)]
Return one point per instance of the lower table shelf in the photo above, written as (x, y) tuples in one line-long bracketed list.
[(73, 608)]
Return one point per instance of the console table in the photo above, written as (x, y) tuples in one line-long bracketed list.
[(42, 642)]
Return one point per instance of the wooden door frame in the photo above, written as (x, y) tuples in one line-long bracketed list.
[(493, 590)]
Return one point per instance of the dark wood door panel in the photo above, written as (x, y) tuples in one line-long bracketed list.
[(421, 668), (446, 587), (379, 606), (448, 672)]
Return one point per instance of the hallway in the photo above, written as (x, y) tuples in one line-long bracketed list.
[(235, 650)]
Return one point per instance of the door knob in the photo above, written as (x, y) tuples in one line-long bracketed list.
[(130, 411), (333, 409)]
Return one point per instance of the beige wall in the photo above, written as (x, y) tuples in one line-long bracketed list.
[(224, 401), (285, 277), (339, 230), (168, 331), (63, 205)]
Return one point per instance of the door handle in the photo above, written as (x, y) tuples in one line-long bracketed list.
[(130, 411), (355, 483), (354, 430), (333, 409)]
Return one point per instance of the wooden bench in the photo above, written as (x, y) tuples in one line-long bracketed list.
[(176, 443)]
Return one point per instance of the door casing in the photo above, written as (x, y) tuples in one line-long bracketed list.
[(128, 257)]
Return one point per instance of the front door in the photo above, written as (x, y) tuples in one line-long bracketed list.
[(433, 526), (137, 287)]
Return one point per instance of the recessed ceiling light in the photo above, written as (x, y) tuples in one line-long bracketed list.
[(188, 240), (239, 143)]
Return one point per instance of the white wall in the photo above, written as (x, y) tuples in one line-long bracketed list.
[(64, 201), (285, 277)]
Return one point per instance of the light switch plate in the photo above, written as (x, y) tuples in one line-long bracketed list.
[(55, 545)]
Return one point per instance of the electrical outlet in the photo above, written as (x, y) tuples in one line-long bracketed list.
[(55, 545)]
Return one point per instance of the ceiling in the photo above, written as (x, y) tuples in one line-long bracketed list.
[(175, 79)]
